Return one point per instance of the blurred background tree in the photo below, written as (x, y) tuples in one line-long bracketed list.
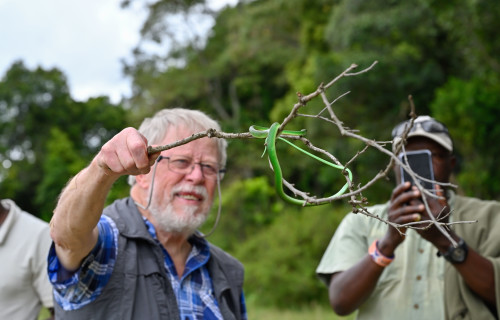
[(46, 136), (248, 70)]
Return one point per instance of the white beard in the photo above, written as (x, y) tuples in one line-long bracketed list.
[(185, 222)]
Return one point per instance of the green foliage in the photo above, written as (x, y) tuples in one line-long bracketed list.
[(60, 162), (47, 137), (313, 312), (474, 129), (247, 206), (281, 259), (402, 36)]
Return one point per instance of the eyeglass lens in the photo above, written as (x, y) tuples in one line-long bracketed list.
[(186, 166)]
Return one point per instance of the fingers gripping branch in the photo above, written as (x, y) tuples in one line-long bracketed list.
[(126, 154)]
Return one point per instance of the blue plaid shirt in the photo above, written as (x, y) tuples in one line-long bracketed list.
[(194, 291)]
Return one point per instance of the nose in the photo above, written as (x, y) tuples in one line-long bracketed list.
[(196, 173)]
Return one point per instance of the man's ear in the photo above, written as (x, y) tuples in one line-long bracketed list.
[(453, 162)]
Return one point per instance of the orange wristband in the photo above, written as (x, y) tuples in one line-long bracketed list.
[(377, 256)]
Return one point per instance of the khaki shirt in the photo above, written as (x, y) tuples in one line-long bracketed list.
[(24, 246), (484, 238), (417, 284), (411, 287)]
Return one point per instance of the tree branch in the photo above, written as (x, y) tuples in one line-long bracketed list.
[(354, 194)]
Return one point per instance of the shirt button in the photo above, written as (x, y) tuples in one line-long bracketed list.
[(420, 250), (415, 306), (419, 277)]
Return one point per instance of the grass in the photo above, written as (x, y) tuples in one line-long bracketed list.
[(309, 313), (44, 314)]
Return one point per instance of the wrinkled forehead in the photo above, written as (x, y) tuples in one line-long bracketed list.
[(179, 132), (200, 148)]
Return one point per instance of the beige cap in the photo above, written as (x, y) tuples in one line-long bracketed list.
[(424, 126)]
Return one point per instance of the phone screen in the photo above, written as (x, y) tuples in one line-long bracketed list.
[(420, 162)]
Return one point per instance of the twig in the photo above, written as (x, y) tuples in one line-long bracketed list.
[(357, 200)]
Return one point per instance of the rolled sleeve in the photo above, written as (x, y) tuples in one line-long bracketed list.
[(350, 243), (75, 289)]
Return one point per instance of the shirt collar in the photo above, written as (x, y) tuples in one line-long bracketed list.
[(199, 243), (450, 197), (9, 221)]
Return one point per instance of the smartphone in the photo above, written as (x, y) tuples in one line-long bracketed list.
[(420, 162)]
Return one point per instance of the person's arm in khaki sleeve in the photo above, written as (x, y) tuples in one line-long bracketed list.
[(477, 271), (349, 289), (74, 223)]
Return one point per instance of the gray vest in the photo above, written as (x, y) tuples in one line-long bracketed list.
[(139, 287)]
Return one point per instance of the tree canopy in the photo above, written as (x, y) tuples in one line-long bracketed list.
[(47, 136)]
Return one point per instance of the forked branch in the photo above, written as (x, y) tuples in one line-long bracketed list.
[(354, 193)]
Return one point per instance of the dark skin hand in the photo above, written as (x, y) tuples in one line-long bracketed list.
[(350, 288)]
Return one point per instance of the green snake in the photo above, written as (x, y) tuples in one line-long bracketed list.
[(271, 134)]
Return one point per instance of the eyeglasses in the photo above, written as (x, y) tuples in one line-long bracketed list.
[(185, 165), (428, 126)]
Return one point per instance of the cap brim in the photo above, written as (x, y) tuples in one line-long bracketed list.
[(441, 138)]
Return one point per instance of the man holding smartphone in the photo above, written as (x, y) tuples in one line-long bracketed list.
[(370, 267)]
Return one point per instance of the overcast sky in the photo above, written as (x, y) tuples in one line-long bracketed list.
[(85, 39)]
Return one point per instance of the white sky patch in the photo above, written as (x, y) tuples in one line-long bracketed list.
[(86, 40)]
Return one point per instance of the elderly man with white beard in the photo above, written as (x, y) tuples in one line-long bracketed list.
[(142, 257)]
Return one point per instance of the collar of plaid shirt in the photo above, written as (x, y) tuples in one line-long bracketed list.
[(193, 290)]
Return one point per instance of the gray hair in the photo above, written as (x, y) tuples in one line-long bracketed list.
[(156, 127)]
